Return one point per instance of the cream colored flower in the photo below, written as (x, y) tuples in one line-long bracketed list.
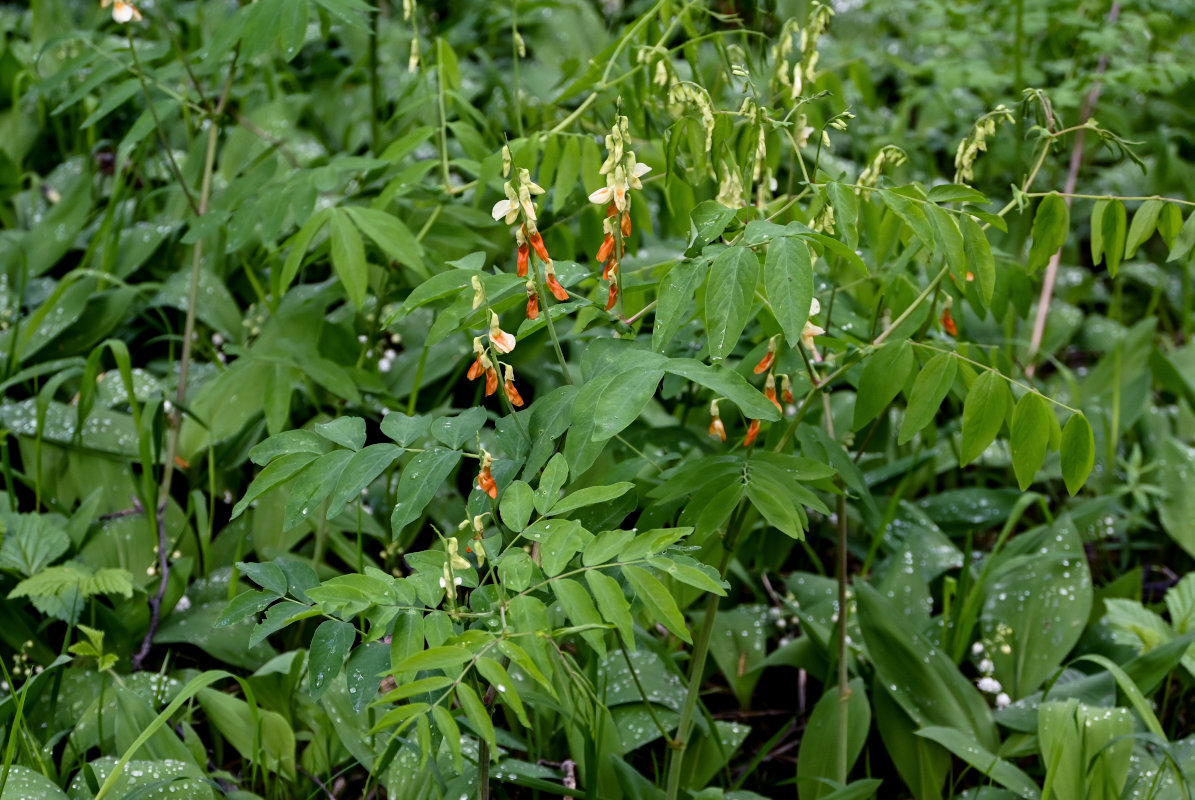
[(811, 330), (617, 183), (122, 12), (507, 208)]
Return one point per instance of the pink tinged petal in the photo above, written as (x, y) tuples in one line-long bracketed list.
[(602, 195), (503, 341)]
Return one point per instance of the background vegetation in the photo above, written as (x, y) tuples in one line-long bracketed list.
[(845, 454)]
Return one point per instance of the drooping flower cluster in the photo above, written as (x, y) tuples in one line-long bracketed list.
[(518, 204), (767, 364), (622, 173)]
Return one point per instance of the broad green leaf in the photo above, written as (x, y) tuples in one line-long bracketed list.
[(404, 429), (578, 607), (329, 646), (1030, 436), (1170, 222), (935, 693), (726, 383), (1077, 451), (1051, 224), (345, 431), (1145, 221), (516, 506), (788, 283), (260, 736), (1113, 226), (657, 540), (846, 212), (692, 572), (244, 605), (559, 539), (1097, 230), (909, 211), (729, 297), (658, 601), (818, 753), (930, 388), (311, 489), (955, 193), (984, 411), (451, 734), (456, 430), (348, 258), (1176, 505), (978, 254), (605, 546), (612, 604), (588, 496), (884, 374), (1087, 750), (988, 764), (268, 576), (677, 291), (418, 483)]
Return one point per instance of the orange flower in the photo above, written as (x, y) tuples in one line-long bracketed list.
[(122, 12), (716, 430), (512, 394), (786, 389), (626, 223), (603, 253), (503, 342), (524, 257), (485, 480), (948, 322), (483, 365), (537, 243), (765, 363), (769, 391), (612, 297), (554, 285), (752, 432), (532, 301)]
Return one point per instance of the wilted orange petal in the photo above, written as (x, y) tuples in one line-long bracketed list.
[(770, 393), (532, 305), (948, 323), (512, 394), (612, 298), (606, 249), (626, 224), (537, 242), (491, 381), (485, 481), (475, 369), (717, 429)]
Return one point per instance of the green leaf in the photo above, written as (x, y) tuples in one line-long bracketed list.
[(260, 736), (554, 476), (495, 674), (977, 252), (1051, 224), (391, 235), (884, 374), (299, 243), (984, 411), (1170, 222), (345, 431), (605, 546), (329, 646), (1002, 772), (579, 608), (560, 539), (1077, 451), (1113, 226), (404, 429), (1030, 436), (935, 693), (1097, 230), (729, 297), (846, 212), (677, 290), (268, 576), (1176, 505), (949, 241), (788, 284), (360, 471), (348, 258), (456, 430), (445, 658), (1145, 221), (313, 487), (516, 505), (418, 484), (930, 388), (31, 543), (612, 604), (1184, 241), (657, 600), (243, 605), (589, 496), (709, 219), (818, 753), (726, 383), (478, 716)]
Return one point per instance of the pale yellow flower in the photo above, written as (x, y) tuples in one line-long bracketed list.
[(122, 12)]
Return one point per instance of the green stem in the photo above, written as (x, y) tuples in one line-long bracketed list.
[(844, 688), (701, 649), (546, 310), (441, 104), (375, 86)]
